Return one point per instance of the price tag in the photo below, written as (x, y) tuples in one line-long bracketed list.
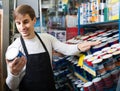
[(81, 59), (89, 70), (80, 77)]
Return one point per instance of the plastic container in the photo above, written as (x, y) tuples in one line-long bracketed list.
[(12, 53)]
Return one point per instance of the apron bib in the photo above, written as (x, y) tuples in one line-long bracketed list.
[(39, 74)]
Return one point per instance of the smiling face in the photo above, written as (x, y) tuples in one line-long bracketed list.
[(25, 25), (24, 17)]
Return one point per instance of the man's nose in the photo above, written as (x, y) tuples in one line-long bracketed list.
[(23, 25)]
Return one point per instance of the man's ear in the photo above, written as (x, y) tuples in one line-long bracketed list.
[(34, 20)]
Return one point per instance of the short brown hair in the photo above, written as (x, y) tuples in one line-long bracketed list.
[(24, 9)]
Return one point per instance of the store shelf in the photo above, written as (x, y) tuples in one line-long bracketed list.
[(112, 22), (108, 24), (89, 69), (80, 77)]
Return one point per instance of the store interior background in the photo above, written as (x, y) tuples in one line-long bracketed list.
[(46, 9), (57, 17)]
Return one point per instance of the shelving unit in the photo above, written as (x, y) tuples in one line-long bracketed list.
[(60, 69), (97, 26), (112, 22)]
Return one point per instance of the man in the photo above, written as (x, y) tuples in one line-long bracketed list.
[(33, 72)]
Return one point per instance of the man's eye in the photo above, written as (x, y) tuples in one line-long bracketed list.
[(26, 22), (17, 23)]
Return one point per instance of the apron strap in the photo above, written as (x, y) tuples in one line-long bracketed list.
[(24, 47), (41, 42)]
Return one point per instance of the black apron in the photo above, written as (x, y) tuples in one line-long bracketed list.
[(39, 74)]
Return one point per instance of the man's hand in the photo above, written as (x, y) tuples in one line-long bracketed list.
[(16, 65), (87, 45)]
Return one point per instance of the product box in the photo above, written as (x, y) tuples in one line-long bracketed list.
[(113, 6)]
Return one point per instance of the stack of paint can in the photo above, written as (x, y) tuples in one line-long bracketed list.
[(98, 47), (105, 59), (116, 56), (107, 78), (99, 67), (99, 84), (109, 63), (103, 82), (89, 86), (115, 75)]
